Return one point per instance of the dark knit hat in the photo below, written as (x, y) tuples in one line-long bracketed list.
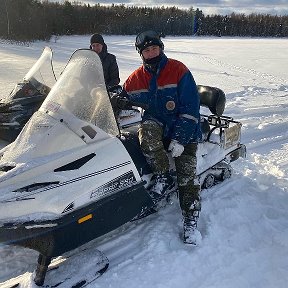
[(97, 38)]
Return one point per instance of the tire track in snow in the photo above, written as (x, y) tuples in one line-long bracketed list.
[(275, 162), (255, 73)]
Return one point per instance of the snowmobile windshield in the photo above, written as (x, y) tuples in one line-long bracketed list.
[(41, 75), (38, 81), (81, 91)]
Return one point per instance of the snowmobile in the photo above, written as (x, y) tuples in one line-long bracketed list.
[(76, 172), (26, 97)]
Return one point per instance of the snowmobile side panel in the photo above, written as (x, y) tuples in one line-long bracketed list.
[(53, 238), (239, 152)]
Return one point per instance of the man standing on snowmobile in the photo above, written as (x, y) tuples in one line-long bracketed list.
[(109, 63), (167, 88)]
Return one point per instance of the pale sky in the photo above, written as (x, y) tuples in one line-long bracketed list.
[(274, 7)]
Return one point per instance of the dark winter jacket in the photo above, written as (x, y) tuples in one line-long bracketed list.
[(171, 96), (110, 67)]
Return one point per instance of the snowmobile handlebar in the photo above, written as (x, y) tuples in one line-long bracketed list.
[(125, 104), (120, 99)]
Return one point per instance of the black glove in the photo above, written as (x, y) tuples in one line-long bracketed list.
[(124, 103), (121, 101)]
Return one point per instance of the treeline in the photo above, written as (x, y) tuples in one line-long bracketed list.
[(253, 25), (28, 20)]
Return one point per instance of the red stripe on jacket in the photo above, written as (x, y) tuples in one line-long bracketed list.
[(170, 74)]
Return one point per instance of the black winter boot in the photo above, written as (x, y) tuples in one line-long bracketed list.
[(190, 233)]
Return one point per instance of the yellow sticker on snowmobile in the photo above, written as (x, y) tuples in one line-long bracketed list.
[(85, 218)]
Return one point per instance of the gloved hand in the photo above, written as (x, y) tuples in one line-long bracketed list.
[(176, 148), (123, 103), (121, 100)]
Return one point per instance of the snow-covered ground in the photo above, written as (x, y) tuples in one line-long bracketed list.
[(244, 221)]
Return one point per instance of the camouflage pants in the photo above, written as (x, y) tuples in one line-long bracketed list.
[(188, 184), (151, 142)]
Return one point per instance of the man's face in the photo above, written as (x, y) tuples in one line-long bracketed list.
[(151, 52), (97, 47)]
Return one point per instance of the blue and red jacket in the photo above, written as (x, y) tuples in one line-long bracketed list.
[(171, 97)]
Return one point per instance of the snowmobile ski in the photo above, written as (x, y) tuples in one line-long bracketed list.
[(74, 271)]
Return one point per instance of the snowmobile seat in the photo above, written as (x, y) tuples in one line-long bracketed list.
[(129, 117), (212, 98)]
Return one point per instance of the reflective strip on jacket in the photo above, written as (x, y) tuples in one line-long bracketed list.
[(171, 97)]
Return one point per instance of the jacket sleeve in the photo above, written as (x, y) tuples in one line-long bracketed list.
[(187, 125), (137, 87), (113, 73)]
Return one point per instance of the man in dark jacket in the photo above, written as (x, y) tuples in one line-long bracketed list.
[(167, 88), (109, 63)]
